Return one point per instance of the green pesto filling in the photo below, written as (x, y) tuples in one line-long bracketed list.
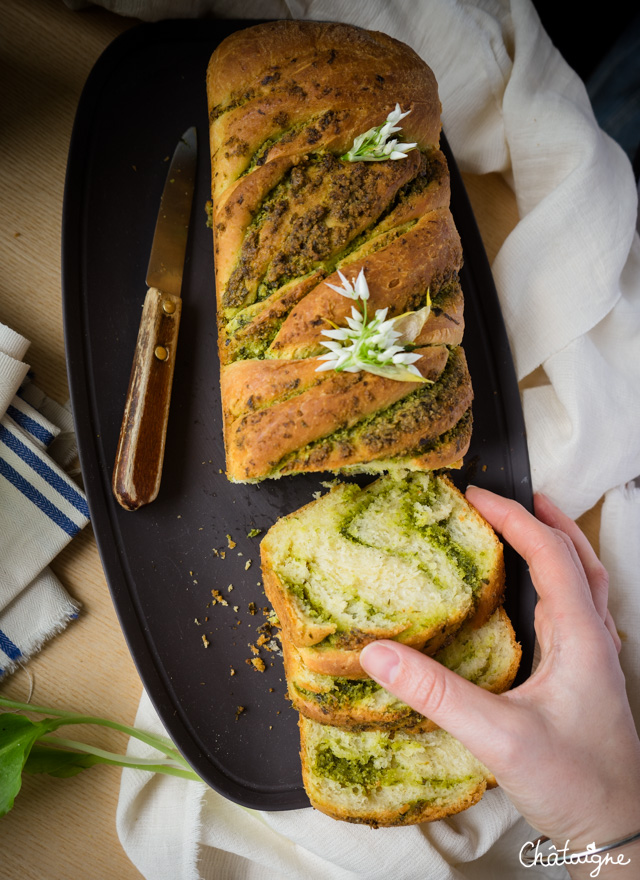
[(304, 597), (438, 536), (343, 691), (362, 771), (220, 109), (357, 771), (414, 490), (235, 295)]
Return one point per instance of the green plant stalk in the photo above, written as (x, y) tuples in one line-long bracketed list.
[(161, 743), (150, 764)]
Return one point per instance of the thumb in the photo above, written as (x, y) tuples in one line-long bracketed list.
[(482, 721)]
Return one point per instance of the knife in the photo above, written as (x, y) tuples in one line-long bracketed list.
[(140, 453)]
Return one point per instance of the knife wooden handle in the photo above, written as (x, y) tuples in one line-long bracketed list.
[(138, 466)]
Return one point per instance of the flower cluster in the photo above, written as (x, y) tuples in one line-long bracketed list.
[(374, 146), (376, 344)]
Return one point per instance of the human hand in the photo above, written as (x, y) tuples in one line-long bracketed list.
[(563, 744)]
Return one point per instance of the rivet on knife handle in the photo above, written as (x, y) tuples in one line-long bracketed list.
[(138, 467)]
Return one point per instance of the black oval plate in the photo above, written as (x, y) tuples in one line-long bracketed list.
[(163, 561)]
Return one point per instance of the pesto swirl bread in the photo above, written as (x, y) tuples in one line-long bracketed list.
[(489, 656), (388, 778), (286, 101), (405, 558)]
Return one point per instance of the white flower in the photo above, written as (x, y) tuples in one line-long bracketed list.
[(359, 290), (378, 345), (373, 145)]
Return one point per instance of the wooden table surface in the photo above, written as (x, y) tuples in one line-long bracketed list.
[(65, 829)]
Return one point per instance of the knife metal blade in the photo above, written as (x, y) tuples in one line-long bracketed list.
[(140, 454)]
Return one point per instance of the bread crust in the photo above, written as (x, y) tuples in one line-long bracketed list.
[(280, 73), (286, 99)]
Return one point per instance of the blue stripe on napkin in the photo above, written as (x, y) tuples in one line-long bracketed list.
[(30, 492), (28, 424), (12, 651), (47, 473)]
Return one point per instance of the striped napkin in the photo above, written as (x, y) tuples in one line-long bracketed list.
[(41, 507)]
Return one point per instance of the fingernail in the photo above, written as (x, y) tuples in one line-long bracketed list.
[(381, 662)]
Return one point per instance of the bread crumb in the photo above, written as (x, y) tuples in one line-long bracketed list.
[(259, 664), (247, 565), (232, 671), (217, 595), (205, 641), (253, 532), (239, 711), (252, 608), (231, 542), (229, 588)]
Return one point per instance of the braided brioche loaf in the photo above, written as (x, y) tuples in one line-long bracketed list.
[(286, 101)]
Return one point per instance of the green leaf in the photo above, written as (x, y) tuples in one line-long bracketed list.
[(26, 747), (17, 737), (58, 762), (395, 371)]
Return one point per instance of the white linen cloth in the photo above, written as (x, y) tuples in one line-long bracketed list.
[(41, 508), (568, 277)]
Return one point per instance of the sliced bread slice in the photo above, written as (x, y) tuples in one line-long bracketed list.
[(489, 656), (406, 557), (388, 778)]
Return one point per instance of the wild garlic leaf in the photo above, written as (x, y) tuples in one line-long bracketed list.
[(17, 737), (26, 747), (394, 371), (58, 762)]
